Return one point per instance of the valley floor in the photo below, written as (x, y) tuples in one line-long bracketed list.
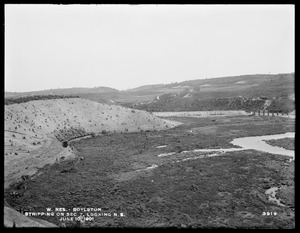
[(116, 174)]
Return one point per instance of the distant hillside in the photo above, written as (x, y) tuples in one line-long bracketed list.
[(246, 86), (247, 92), (188, 102), (146, 88), (62, 91), (271, 85), (122, 96)]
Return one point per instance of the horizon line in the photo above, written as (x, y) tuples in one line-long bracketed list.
[(5, 91)]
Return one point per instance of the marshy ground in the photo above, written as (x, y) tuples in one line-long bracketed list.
[(223, 191), (286, 143)]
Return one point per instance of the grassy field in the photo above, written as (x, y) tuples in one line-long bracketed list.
[(224, 192), (286, 143)]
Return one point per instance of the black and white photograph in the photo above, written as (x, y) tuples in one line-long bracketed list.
[(127, 116)]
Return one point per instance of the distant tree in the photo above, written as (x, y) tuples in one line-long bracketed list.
[(35, 97)]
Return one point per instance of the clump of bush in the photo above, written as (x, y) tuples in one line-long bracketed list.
[(178, 149), (104, 132)]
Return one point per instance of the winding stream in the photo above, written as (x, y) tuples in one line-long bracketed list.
[(250, 143), (257, 143)]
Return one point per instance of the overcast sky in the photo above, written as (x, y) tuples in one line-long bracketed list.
[(125, 46)]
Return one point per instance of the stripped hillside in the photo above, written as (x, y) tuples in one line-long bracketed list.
[(35, 130)]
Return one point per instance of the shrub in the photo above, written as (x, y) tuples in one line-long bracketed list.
[(65, 144), (178, 149)]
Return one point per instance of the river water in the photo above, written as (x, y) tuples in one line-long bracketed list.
[(250, 143), (246, 143), (257, 143)]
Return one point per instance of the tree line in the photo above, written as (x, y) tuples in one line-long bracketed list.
[(24, 99)]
